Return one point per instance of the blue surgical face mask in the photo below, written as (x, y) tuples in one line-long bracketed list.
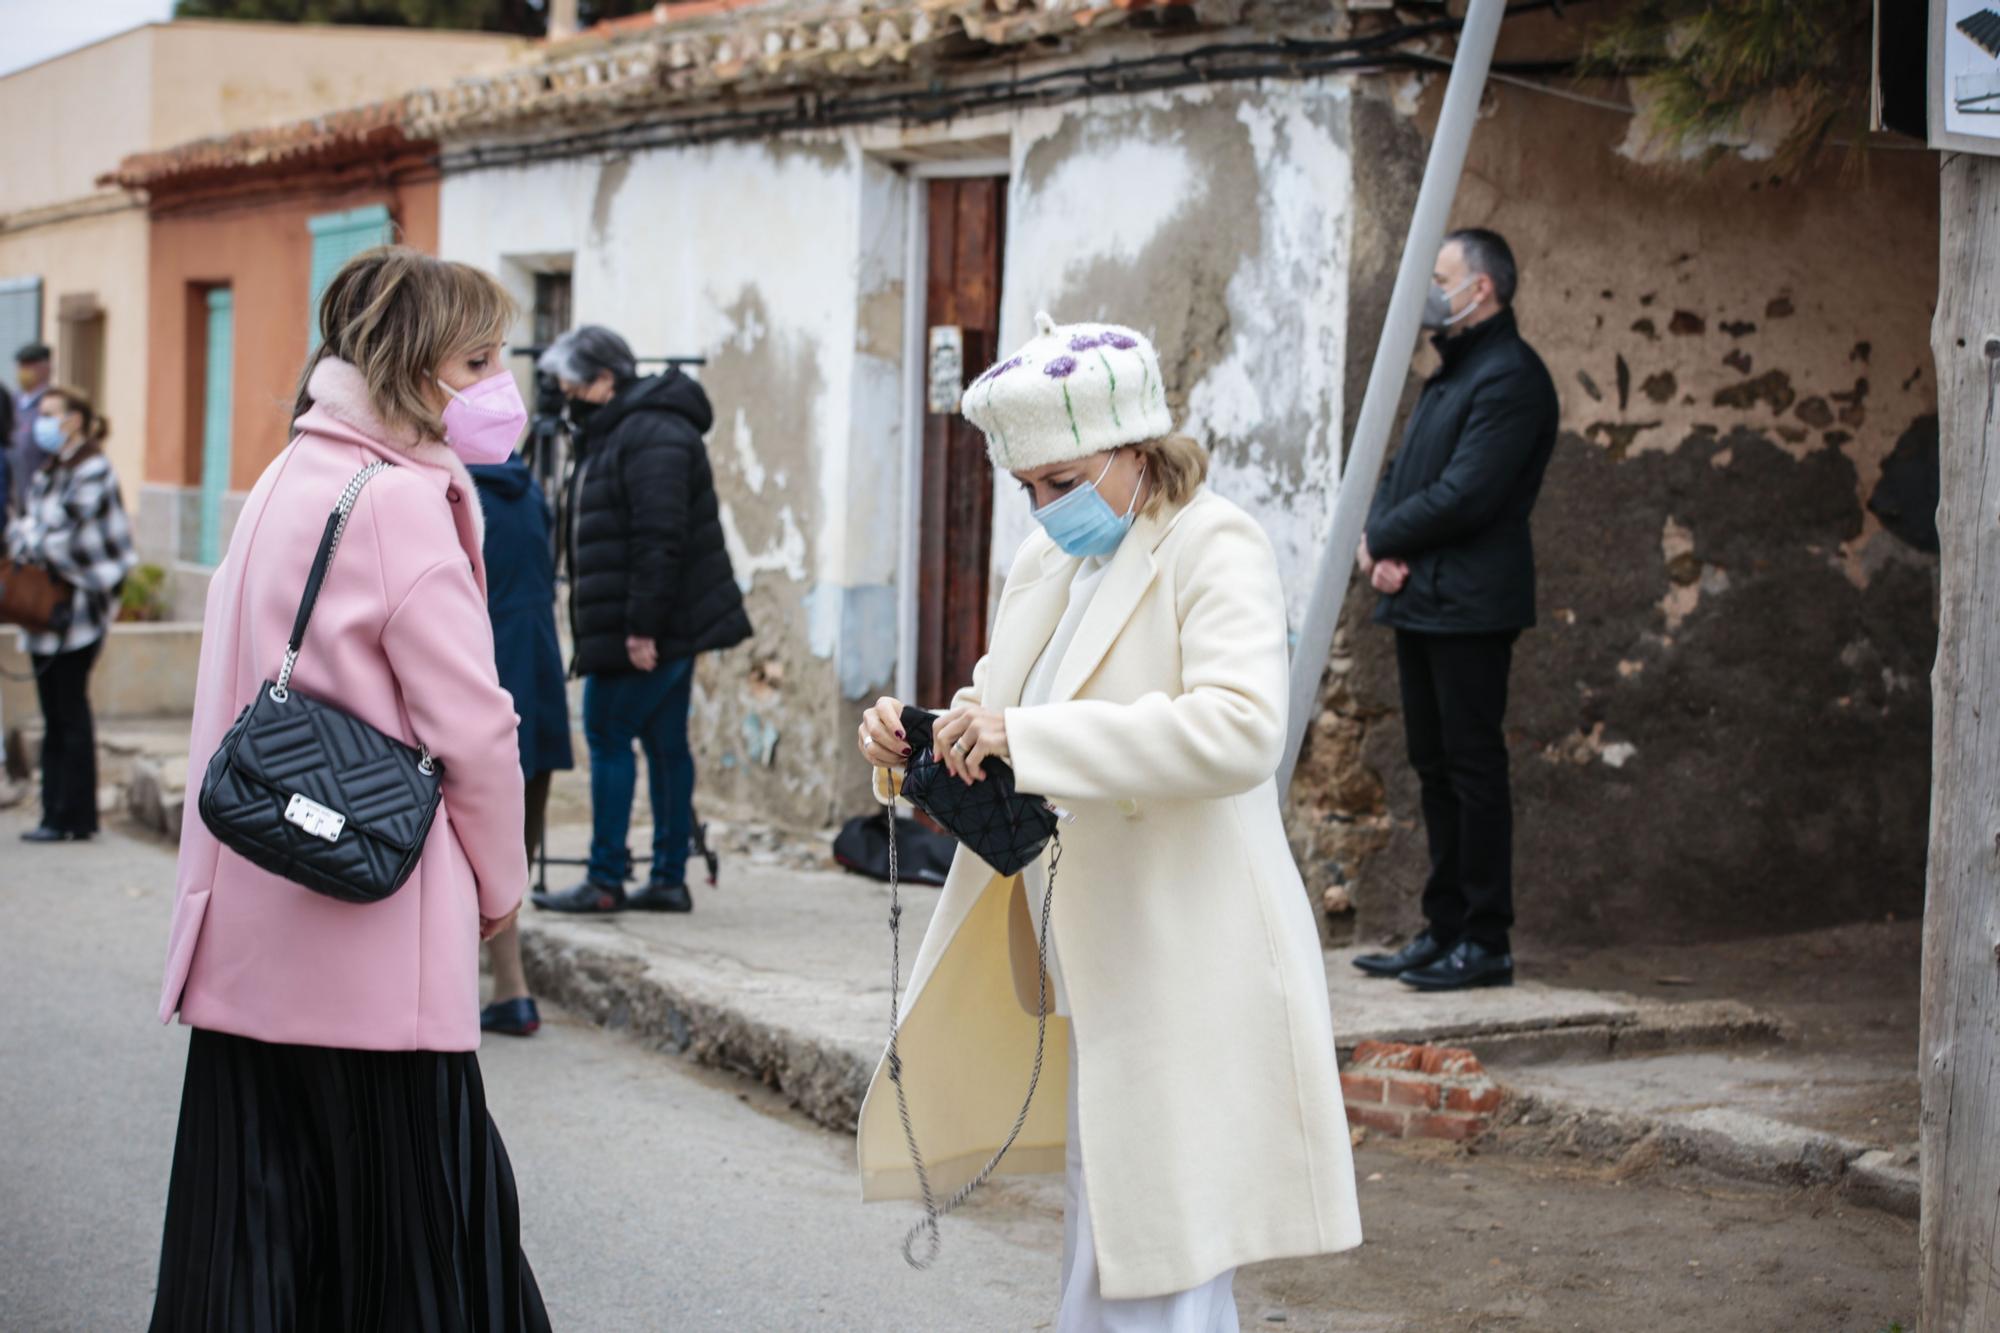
[(48, 433), (1083, 524)]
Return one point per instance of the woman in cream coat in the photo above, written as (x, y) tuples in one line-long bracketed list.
[(1138, 678)]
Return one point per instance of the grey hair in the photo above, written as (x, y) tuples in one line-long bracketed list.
[(586, 352), (1487, 252)]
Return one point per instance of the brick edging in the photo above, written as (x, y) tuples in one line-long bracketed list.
[(1411, 1091)]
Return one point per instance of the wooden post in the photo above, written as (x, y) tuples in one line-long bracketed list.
[(1961, 975)]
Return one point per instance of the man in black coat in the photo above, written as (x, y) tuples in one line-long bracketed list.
[(1447, 545), (650, 589)]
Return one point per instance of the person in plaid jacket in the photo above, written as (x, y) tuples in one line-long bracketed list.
[(74, 524)]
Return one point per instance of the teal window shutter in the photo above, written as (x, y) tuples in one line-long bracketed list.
[(337, 238), (20, 321), (217, 406)]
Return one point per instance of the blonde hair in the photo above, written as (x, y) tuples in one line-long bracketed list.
[(95, 427), (1176, 466), (397, 315)]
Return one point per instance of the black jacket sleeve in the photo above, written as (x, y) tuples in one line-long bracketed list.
[(1501, 431), (656, 473), (1379, 506)]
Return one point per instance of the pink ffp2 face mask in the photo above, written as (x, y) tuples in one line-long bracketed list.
[(484, 423)]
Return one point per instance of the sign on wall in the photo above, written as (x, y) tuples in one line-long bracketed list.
[(947, 368), (1965, 75)]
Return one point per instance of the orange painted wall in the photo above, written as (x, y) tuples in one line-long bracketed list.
[(262, 249)]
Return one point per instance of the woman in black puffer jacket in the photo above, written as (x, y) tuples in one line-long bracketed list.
[(650, 588)]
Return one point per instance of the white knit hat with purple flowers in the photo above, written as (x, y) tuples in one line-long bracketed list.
[(1075, 390)]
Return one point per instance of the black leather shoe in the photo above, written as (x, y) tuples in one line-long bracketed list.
[(517, 1017), (661, 898), (587, 897), (53, 835), (1419, 952), (1466, 965)]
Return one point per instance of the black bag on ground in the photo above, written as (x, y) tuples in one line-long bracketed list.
[(308, 792), (1003, 827), (862, 846)]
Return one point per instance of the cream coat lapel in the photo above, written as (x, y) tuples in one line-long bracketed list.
[(1027, 619), (1132, 572)]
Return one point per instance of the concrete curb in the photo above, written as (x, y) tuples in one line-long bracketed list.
[(1650, 1029), (1736, 1145), (617, 985)]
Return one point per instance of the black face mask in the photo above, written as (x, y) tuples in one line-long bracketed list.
[(580, 412)]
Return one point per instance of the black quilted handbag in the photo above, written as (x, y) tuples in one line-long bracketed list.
[(1003, 827), (303, 790)]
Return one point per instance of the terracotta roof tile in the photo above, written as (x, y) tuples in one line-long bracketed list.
[(354, 134), (672, 54), (679, 53)]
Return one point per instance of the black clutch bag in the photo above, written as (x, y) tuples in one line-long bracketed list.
[(311, 793), (1002, 826)]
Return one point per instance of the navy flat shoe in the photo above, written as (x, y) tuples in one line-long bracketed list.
[(513, 1018)]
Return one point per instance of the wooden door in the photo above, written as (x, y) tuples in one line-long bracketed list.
[(967, 223)]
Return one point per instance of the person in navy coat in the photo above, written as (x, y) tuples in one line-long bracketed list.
[(521, 598)]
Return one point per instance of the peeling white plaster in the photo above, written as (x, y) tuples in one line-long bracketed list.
[(746, 453), (823, 621), (785, 556), (1287, 329), (1676, 539), (1406, 94), (680, 291), (1271, 400), (1679, 604), (1095, 205), (1757, 138)]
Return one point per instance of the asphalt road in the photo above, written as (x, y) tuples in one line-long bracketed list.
[(654, 1196)]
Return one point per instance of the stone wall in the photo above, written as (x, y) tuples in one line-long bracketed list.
[(774, 262), (1721, 724), (1219, 222)]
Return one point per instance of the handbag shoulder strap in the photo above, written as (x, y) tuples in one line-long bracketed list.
[(336, 524)]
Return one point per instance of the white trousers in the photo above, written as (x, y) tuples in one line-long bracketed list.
[(1209, 1308)]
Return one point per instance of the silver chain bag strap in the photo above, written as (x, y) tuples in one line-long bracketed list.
[(927, 1229), (312, 793)]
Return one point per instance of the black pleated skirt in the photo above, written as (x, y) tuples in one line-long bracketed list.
[(340, 1191)]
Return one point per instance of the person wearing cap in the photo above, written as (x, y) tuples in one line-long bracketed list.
[(1137, 677), (24, 460), (651, 589)]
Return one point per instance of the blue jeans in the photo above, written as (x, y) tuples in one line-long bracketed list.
[(650, 707)]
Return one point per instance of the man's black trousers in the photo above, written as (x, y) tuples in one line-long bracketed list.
[(1454, 709)]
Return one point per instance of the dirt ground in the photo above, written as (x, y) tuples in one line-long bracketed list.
[(1850, 992), (1481, 1243)]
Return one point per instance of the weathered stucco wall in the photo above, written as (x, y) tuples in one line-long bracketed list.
[(776, 263), (1721, 724), (1217, 221), (103, 256)]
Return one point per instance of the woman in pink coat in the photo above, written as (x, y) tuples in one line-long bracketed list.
[(336, 1167)]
